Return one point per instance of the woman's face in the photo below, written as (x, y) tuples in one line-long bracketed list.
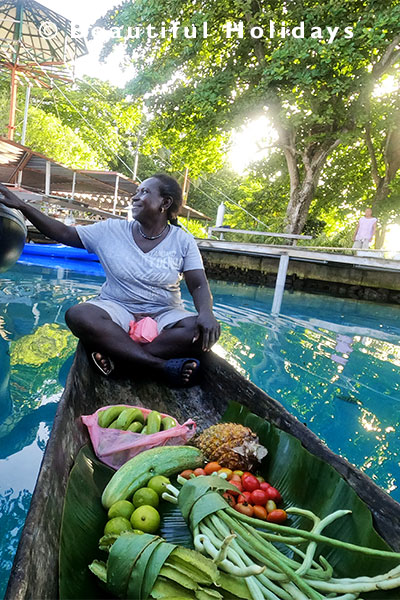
[(147, 201)]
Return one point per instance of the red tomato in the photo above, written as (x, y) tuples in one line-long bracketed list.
[(258, 497), (264, 486), (199, 472), (235, 478), (245, 509), (187, 473), (229, 498), (276, 516), (250, 483), (246, 474), (244, 497), (259, 512), (211, 467), (273, 494), (238, 485)]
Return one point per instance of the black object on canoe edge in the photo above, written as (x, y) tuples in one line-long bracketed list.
[(13, 234)]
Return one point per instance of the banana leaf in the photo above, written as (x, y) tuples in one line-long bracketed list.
[(83, 523), (302, 479), (307, 482)]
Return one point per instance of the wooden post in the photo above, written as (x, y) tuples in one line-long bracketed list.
[(13, 103), (24, 126), (185, 187), (115, 194), (280, 284), (47, 178), (17, 37), (73, 184)]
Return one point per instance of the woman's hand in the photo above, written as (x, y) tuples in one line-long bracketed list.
[(8, 198), (209, 330)]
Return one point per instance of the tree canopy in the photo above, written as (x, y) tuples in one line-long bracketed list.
[(314, 77)]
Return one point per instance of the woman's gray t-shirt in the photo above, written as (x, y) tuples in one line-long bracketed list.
[(143, 282)]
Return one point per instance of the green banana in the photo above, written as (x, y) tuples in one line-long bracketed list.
[(144, 430), (127, 417), (137, 471), (105, 417), (136, 427), (153, 422), (168, 423), (113, 425)]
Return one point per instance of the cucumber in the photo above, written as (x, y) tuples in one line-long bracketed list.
[(134, 474), (128, 416), (136, 427), (106, 417), (168, 423), (153, 422)]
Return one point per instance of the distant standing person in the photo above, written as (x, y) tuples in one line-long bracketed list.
[(365, 230)]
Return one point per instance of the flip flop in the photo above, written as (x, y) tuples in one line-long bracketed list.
[(174, 367), (98, 365)]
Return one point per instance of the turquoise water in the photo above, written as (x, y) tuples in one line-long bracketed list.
[(333, 363)]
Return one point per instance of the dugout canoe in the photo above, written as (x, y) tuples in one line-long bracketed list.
[(35, 570)]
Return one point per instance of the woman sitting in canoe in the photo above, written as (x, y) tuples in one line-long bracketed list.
[(143, 260)]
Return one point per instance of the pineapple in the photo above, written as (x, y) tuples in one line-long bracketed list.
[(232, 445)]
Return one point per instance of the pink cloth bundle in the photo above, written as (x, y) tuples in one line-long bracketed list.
[(114, 447), (143, 331)]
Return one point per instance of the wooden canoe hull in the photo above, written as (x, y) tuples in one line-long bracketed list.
[(35, 571)]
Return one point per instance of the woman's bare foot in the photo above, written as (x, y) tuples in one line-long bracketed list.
[(187, 370), (104, 363), (178, 372)]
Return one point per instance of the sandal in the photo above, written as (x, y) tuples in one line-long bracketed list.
[(174, 368), (98, 365)]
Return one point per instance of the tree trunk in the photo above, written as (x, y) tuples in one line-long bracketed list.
[(299, 204), (381, 194), (302, 191), (380, 234)]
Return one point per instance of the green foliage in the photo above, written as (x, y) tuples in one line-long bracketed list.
[(195, 227), (48, 135), (101, 116), (315, 87)]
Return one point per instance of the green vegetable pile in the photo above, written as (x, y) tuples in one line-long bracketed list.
[(133, 419), (238, 543), (145, 565), (246, 556)]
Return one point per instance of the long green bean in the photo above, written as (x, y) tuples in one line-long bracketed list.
[(308, 535), (254, 542)]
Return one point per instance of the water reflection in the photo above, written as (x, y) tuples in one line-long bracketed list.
[(334, 364), (35, 354)]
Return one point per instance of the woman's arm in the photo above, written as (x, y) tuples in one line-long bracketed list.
[(50, 227), (209, 328)]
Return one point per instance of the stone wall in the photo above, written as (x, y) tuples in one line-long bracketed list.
[(314, 277)]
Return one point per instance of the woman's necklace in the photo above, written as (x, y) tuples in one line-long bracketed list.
[(151, 237)]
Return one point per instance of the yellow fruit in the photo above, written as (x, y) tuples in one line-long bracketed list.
[(145, 496), (122, 508), (220, 443), (146, 518), (228, 472), (117, 525)]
